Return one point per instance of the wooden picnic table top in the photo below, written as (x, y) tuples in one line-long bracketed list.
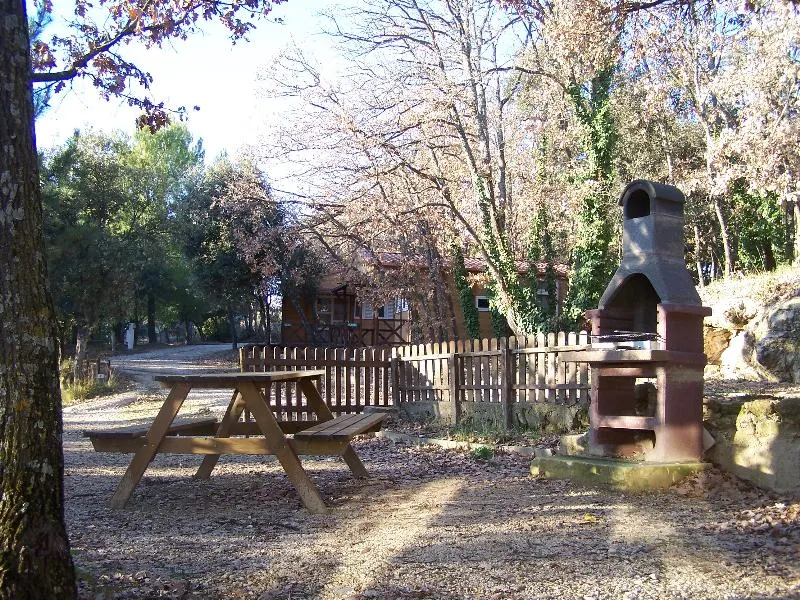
[(232, 380)]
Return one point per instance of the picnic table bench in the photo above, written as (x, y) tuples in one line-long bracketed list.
[(324, 435)]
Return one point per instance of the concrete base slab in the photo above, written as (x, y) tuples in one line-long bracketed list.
[(625, 475)]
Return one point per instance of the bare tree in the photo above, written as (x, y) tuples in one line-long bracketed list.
[(418, 128)]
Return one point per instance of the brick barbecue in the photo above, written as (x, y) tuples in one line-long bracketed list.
[(648, 325)]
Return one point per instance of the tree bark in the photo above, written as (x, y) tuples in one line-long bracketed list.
[(81, 343), (725, 236), (697, 259), (232, 325), (35, 560), (796, 214)]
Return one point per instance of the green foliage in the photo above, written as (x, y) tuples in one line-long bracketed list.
[(593, 263), (500, 326), (513, 310), (215, 328), (482, 453), (74, 391), (465, 296), (109, 223), (540, 249), (760, 231)]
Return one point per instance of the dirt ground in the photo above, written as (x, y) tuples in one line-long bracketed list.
[(430, 523)]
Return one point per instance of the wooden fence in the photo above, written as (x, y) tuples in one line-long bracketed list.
[(505, 371), (354, 377), (460, 375)]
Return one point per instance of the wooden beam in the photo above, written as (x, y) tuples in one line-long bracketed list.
[(145, 454)]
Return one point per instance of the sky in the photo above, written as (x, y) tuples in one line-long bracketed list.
[(205, 70)]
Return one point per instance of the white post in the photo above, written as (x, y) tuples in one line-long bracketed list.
[(130, 334)]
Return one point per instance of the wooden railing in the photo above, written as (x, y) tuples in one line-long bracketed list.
[(354, 377), (361, 332), (457, 376)]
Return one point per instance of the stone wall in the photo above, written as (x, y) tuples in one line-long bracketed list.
[(757, 439), (542, 417)]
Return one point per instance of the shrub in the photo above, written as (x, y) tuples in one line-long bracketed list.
[(482, 453)]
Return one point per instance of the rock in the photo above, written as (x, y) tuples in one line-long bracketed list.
[(715, 342), (778, 348), (738, 360)]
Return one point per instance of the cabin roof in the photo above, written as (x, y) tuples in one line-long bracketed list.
[(394, 260)]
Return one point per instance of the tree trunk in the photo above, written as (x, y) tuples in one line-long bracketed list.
[(35, 559), (152, 338), (724, 234), (232, 325), (188, 325), (796, 214), (697, 259), (81, 343), (264, 313)]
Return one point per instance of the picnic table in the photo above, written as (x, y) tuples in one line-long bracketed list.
[(325, 435)]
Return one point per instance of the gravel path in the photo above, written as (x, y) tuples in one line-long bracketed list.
[(430, 523)]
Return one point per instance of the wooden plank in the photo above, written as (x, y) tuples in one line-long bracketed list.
[(295, 398), (425, 371), (384, 377), (344, 427), (454, 369), (560, 369), (506, 372), (531, 367), (571, 369), (278, 446), (346, 378), (551, 372), (564, 386), (188, 426), (583, 371), (145, 454), (232, 413), (231, 380), (324, 414), (541, 369), (367, 399), (211, 446), (328, 358), (357, 392)]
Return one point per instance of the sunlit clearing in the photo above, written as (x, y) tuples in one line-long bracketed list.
[(390, 536)]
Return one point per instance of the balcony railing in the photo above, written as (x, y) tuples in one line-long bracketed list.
[(360, 332)]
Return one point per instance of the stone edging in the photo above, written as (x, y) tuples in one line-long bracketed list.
[(456, 445)]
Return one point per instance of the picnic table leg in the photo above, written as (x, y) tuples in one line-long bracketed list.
[(276, 441), (324, 413), (155, 435), (230, 419)]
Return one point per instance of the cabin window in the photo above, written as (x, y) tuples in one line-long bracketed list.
[(401, 306), (323, 306), (482, 303), (385, 311)]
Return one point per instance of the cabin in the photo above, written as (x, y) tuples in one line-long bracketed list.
[(337, 317)]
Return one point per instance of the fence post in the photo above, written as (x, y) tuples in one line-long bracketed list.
[(395, 374), (455, 400), (507, 381)]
